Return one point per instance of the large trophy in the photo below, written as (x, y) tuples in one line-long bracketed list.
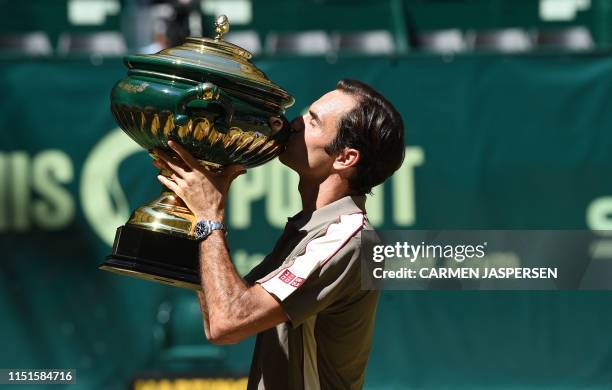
[(206, 95)]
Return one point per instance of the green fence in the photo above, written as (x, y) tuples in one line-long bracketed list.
[(400, 17)]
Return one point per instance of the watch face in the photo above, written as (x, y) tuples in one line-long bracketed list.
[(202, 229)]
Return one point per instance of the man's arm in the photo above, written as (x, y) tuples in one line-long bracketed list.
[(204, 312), (231, 310), (235, 310)]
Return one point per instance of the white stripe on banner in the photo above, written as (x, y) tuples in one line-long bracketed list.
[(318, 252)]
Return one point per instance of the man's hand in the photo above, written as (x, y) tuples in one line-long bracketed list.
[(204, 192)]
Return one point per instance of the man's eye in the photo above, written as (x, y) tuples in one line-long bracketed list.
[(313, 122)]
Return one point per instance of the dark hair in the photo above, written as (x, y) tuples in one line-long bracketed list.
[(376, 130)]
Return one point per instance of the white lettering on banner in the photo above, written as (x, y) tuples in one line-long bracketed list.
[(244, 190), (402, 192), (403, 187), (599, 214), (21, 196), (599, 219), (43, 174), (104, 203), (274, 182), (4, 218), (282, 199), (50, 168), (278, 184)]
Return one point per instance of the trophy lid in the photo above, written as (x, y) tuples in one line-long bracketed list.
[(214, 57)]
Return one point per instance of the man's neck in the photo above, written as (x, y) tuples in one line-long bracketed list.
[(317, 195)]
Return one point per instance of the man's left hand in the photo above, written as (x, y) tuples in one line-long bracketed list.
[(203, 191)]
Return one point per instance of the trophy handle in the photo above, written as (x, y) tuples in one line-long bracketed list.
[(208, 96)]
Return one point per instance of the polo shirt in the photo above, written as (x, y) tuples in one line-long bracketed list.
[(314, 272)]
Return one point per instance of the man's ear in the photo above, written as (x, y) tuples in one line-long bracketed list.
[(347, 158)]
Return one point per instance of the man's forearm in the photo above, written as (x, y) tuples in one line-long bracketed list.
[(223, 288), (204, 311), (235, 310)]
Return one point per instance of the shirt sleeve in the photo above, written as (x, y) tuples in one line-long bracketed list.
[(327, 271)]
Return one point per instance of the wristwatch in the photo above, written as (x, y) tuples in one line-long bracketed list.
[(205, 227)]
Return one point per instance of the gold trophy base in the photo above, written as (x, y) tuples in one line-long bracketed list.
[(166, 214), (157, 244)]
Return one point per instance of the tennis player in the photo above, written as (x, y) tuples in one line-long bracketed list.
[(304, 301)]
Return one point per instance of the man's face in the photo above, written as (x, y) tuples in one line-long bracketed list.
[(305, 152)]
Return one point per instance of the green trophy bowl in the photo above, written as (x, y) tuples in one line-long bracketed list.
[(206, 95)]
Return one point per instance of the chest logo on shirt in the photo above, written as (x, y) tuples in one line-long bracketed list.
[(289, 278)]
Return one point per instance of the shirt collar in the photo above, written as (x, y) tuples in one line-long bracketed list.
[(330, 212)]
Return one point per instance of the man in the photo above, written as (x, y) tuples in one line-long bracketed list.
[(304, 301)]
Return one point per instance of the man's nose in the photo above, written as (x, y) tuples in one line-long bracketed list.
[(297, 124)]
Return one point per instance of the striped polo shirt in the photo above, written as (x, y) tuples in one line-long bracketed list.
[(314, 272)]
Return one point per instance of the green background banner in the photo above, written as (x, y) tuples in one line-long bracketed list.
[(500, 142)]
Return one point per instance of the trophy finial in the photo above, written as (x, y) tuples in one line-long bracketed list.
[(221, 27)]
